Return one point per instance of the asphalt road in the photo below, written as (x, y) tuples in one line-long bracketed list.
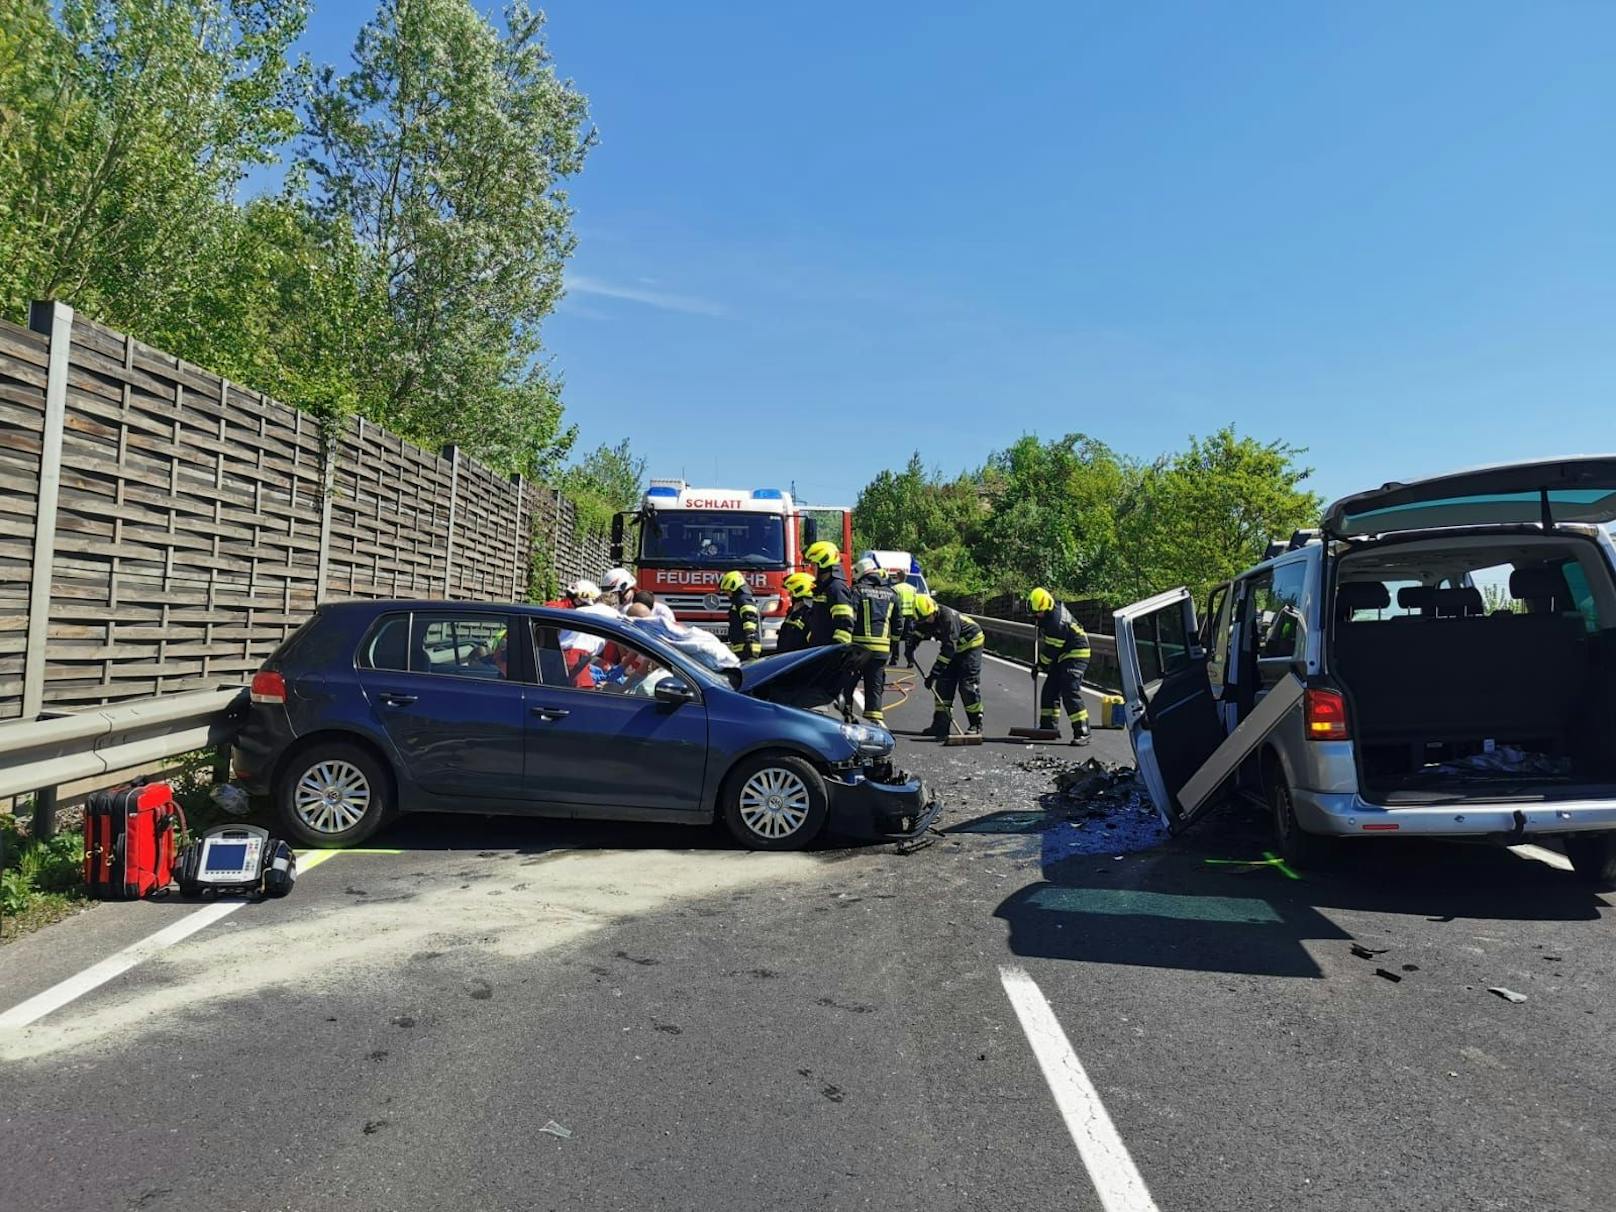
[(717, 1029)]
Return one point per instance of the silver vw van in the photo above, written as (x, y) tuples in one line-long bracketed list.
[(1439, 659)]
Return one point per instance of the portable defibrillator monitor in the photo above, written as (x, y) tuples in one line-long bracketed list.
[(237, 858)]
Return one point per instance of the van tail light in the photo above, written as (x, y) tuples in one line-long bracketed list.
[(1325, 712), (268, 687)]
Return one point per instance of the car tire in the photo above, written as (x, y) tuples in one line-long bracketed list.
[(1593, 857), (774, 801), (332, 795), (1296, 847)]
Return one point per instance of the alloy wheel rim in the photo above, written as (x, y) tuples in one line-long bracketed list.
[(774, 803), (331, 797)]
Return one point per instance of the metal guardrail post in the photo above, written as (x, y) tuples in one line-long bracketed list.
[(44, 825), (56, 321)]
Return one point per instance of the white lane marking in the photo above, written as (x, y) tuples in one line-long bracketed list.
[(1116, 1179), (1543, 855), (74, 987)]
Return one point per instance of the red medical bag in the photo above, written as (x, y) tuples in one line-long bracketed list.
[(129, 840)]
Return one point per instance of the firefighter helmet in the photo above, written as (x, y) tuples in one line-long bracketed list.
[(925, 605), (865, 566), (823, 554), (731, 581), (800, 585), (1040, 600)]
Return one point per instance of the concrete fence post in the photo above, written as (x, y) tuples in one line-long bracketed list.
[(452, 453), (55, 320), (328, 483), (522, 554)]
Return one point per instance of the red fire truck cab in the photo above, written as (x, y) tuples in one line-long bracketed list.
[(687, 538)]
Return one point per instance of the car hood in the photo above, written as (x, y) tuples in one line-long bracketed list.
[(809, 678), (1581, 488)]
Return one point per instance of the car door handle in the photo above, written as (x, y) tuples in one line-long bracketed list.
[(399, 700), (551, 713)]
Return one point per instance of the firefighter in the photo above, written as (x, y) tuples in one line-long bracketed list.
[(795, 630), (958, 665), (833, 599), (745, 628), (1063, 657), (904, 626), (875, 608)]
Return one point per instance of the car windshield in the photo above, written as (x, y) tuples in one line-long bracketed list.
[(714, 539)]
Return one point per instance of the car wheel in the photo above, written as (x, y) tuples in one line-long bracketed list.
[(1593, 857), (1296, 847), (332, 795), (775, 802)]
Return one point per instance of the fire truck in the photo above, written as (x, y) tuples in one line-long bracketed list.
[(683, 539)]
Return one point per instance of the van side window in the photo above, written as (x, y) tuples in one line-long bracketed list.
[(1215, 635), (1582, 595), (1160, 643), (1279, 611)]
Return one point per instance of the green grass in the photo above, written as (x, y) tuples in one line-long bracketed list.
[(40, 882)]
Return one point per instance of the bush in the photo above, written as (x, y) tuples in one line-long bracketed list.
[(30, 869)]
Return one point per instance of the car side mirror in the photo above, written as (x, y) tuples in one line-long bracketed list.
[(674, 691)]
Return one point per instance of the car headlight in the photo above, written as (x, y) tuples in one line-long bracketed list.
[(869, 740), (770, 605)]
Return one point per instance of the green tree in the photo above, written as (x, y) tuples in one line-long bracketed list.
[(927, 515), (1198, 517), (128, 125), (1053, 515), (606, 481), (445, 149)]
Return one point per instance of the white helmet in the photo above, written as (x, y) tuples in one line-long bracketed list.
[(866, 565), (617, 580), (583, 591)]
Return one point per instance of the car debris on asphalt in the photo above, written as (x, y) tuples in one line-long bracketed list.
[(1509, 995)]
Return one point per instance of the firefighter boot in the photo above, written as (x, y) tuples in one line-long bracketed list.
[(939, 727), (1080, 734)]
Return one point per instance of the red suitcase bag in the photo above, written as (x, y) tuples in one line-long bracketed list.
[(129, 841)]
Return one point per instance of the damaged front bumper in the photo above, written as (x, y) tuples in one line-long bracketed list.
[(880, 802)]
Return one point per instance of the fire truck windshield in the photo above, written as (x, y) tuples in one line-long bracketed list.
[(718, 539)]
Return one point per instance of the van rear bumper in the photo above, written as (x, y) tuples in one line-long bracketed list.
[(1349, 815)]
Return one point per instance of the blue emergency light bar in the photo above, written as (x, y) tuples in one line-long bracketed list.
[(661, 490), (914, 565), (767, 494)]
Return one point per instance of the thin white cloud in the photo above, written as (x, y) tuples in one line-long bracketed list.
[(689, 305)]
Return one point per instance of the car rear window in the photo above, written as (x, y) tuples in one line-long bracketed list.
[(387, 644)]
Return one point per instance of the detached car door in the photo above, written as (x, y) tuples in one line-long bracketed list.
[(1178, 736), (440, 684), (599, 741)]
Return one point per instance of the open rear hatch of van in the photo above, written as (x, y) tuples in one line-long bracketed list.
[(1581, 488), (1459, 695)]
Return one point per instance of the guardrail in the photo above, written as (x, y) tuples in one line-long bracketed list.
[(42, 755), (1102, 671)]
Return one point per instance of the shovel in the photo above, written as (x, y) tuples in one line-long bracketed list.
[(1036, 734), (956, 737)]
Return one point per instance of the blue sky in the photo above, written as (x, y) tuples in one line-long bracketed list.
[(815, 238)]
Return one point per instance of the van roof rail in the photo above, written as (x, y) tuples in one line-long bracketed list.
[(1275, 547), (1302, 538)]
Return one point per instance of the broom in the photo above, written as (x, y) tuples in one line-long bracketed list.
[(1036, 734), (955, 737)]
